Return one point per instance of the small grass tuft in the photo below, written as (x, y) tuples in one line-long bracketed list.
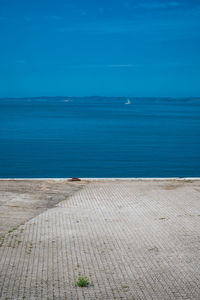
[(15, 228), (82, 281)]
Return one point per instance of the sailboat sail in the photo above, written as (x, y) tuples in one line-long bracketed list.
[(128, 101)]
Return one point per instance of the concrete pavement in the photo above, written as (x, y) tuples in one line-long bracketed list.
[(132, 239)]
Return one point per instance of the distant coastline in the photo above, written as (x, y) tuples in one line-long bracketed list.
[(97, 98)]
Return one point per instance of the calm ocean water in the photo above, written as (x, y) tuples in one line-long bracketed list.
[(99, 137)]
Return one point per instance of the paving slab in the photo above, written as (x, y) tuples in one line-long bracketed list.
[(132, 239)]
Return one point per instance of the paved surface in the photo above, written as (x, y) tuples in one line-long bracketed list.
[(133, 240), (21, 200)]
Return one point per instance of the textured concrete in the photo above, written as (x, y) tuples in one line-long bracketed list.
[(133, 240), (21, 200)]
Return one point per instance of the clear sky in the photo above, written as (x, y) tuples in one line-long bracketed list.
[(99, 47)]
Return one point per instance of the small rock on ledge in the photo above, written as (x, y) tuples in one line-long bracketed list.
[(74, 179)]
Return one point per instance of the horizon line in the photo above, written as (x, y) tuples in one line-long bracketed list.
[(100, 96)]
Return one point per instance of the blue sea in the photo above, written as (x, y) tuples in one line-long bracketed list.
[(99, 137)]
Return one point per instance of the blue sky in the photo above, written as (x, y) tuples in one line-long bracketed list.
[(112, 48)]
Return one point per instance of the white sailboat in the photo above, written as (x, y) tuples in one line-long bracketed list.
[(128, 101)]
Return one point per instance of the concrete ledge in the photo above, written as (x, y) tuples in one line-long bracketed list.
[(110, 179)]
